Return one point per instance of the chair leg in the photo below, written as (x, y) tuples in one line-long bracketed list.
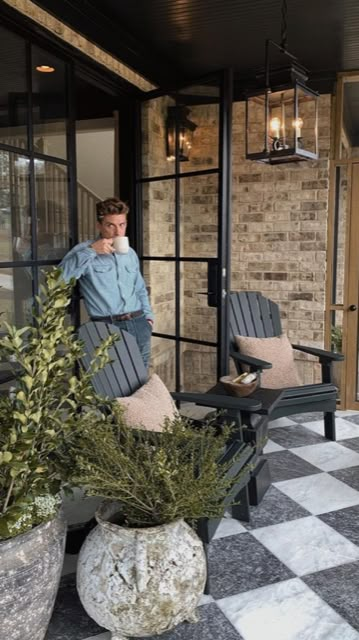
[(207, 589), (329, 425), (241, 511)]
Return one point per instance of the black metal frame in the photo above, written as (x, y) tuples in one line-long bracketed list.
[(224, 218)]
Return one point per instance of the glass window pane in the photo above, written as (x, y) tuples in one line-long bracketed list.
[(13, 90), (16, 295), (158, 200), (160, 280), (198, 366), (199, 138), (340, 218), (49, 103), (199, 216), (154, 117), (52, 209), (163, 361), (198, 320), (15, 227)]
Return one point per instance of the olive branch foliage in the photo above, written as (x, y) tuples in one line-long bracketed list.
[(39, 417)]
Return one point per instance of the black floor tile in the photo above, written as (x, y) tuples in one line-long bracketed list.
[(345, 521), (275, 507), (69, 620), (339, 587), (240, 563), (295, 436), (285, 465), (351, 443), (350, 476)]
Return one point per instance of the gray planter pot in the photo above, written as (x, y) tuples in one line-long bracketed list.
[(140, 582), (30, 571)]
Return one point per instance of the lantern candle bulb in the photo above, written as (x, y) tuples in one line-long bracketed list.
[(275, 127)]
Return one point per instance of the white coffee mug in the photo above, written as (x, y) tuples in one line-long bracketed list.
[(121, 244)]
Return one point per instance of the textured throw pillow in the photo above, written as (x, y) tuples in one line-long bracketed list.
[(276, 350), (149, 406)]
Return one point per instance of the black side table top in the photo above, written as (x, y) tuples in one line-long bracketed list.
[(268, 397)]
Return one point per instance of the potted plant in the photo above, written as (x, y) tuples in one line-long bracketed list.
[(37, 420), (142, 569), (336, 339)]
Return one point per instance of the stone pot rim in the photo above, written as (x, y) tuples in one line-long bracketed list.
[(110, 507), (20, 538)]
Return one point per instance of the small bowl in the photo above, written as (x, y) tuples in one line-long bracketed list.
[(238, 389)]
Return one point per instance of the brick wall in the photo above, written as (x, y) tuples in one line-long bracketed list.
[(279, 234)]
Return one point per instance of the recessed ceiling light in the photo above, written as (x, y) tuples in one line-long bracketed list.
[(44, 68)]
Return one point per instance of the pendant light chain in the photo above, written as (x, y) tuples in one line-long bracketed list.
[(284, 31)]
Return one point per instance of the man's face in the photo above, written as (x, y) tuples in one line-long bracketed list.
[(112, 225)]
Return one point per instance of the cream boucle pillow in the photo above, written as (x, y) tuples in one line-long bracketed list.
[(279, 352), (149, 406)]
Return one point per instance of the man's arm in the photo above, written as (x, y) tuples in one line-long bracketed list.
[(76, 261)]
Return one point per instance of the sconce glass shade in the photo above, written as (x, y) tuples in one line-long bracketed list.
[(282, 122), (178, 121)]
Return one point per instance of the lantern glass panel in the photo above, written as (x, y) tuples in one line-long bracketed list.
[(256, 111), (305, 123), (280, 117)]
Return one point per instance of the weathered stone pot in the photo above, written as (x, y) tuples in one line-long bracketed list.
[(140, 582), (30, 571)]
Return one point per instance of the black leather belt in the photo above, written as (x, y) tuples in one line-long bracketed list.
[(117, 318)]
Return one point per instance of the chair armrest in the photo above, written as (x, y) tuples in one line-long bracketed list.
[(324, 356), (254, 363), (217, 401)]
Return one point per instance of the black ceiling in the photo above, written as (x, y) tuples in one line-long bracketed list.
[(173, 41)]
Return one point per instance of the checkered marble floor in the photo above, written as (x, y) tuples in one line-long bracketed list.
[(292, 573)]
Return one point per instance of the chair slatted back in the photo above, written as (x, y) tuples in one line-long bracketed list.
[(126, 373), (251, 314)]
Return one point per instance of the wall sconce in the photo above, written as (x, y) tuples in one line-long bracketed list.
[(282, 115), (178, 121)]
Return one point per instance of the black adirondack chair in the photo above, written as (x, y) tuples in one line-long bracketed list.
[(251, 314), (126, 374)]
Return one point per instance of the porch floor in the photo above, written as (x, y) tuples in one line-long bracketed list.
[(292, 573)]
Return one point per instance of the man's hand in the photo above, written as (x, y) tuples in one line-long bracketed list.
[(103, 246)]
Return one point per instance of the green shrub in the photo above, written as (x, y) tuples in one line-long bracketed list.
[(40, 417)]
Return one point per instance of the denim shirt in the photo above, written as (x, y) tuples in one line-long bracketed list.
[(110, 284)]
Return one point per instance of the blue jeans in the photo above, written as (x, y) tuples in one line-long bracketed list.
[(141, 329)]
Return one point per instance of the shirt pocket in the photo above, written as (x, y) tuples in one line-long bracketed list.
[(130, 276), (102, 267)]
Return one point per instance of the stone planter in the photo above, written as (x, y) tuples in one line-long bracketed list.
[(30, 571), (140, 582)]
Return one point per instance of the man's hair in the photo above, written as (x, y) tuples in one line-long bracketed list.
[(110, 205)]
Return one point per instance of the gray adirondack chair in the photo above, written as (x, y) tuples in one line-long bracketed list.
[(127, 373), (251, 314)]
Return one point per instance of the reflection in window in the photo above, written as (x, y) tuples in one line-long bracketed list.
[(13, 96), (49, 104), (16, 299), (15, 227), (52, 210)]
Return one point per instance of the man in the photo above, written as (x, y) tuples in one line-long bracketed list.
[(111, 283)]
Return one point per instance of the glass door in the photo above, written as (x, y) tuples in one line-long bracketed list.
[(183, 238)]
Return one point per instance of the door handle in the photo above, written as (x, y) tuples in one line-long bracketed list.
[(353, 307)]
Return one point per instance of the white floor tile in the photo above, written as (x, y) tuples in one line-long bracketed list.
[(229, 527), (281, 422), (285, 611), (319, 493), (328, 456), (344, 428), (307, 545), (272, 446)]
